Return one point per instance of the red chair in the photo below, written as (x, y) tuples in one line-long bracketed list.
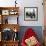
[(29, 33)]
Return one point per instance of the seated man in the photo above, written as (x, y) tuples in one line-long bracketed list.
[(30, 38)]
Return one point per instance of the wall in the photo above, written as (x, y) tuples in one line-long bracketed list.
[(32, 3), (26, 3)]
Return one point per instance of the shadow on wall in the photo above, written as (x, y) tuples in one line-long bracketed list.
[(37, 29)]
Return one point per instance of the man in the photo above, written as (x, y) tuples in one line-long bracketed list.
[(30, 38)]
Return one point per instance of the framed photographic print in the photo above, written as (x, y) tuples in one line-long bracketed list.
[(31, 13), (11, 12), (5, 12)]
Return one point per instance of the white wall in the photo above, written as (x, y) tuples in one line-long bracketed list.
[(6, 3), (26, 3), (32, 3)]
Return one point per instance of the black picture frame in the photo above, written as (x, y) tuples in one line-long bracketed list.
[(30, 13)]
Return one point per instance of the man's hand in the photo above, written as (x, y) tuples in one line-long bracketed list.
[(32, 41)]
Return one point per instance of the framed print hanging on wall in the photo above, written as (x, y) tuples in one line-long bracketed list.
[(30, 13)]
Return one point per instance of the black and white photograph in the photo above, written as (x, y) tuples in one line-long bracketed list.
[(31, 13)]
